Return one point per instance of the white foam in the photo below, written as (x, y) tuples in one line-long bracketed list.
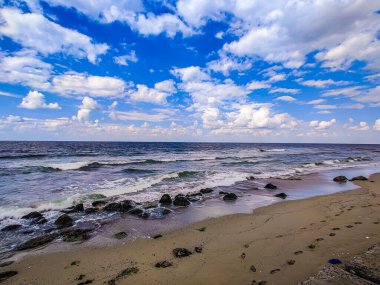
[(69, 165)]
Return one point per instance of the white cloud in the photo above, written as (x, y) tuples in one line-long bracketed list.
[(72, 83), (156, 95), (191, 73), (349, 91), (284, 90), (376, 126), (321, 125), (34, 31), (8, 94), (138, 116), (256, 85), (219, 35), (322, 83), (227, 64), (36, 100), (286, 98), (327, 106), (26, 69), (362, 126), (371, 95), (124, 59), (88, 105), (316, 101), (324, 112)]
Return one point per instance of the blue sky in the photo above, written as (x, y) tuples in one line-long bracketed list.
[(190, 70)]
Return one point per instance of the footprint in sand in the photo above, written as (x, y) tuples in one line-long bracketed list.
[(376, 223), (335, 229), (319, 239), (290, 261), (273, 271), (349, 226), (332, 234), (311, 246), (298, 252), (358, 223)]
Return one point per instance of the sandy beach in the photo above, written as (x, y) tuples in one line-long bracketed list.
[(283, 243)]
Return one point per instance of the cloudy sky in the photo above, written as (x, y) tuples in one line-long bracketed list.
[(190, 70)]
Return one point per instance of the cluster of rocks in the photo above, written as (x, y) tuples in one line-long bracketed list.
[(344, 179)]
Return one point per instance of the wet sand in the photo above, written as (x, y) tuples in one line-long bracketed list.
[(304, 232)]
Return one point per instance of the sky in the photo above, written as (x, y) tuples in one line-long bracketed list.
[(190, 70)]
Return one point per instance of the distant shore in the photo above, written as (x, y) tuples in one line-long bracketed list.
[(282, 244)]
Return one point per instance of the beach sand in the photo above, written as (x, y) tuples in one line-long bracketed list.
[(307, 232)]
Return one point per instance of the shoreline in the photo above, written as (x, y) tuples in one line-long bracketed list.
[(268, 238)]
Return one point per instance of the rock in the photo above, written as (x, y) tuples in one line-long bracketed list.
[(198, 249), (91, 210), (181, 201), (250, 177), (181, 252), (120, 235), (202, 229), (340, 179), (32, 215), (40, 221), (99, 203), (12, 227), (136, 212), (64, 221), (123, 206), (6, 263), (36, 242), (166, 199), (230, 197), (270, 186), (281, 195), (6, 275), (206, 190), (163, 264), (150, 205), (75, 235), (144, 215), (157, 236), (359, 178)]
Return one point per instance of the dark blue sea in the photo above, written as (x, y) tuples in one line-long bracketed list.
[(51, 176)]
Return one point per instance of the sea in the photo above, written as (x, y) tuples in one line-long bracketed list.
[(51, 176)]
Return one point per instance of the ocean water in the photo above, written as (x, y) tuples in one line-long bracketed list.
[(50, 176)]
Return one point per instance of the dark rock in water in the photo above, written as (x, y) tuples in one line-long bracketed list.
[(340, 179), (181, 252), (6, 275), (6, 263), (270, 186), (181, 200), (99, 203), (123, 206), (36, 242), (11, 228), (91, 210), (144, 215), (359, 178), (163, 264), (230, 197), (206, 190), (64, 221), (281, 195), (222, 193), (150, 205), (26, 232), (198, 249), (32, 215), (120, 235), (76, 208), (75, 235), (136, 211), (165, 211), (166, 199), (250, 177)]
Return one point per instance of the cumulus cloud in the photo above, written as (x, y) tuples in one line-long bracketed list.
[(88, 105), (376, 126), (257, 85), (36, 100), (72, 83), (321, 125), (191, 73), (362, 126), (157, 94), (227, 64), (36, 32)]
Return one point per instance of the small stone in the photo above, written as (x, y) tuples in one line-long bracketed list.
[(181, 252), (230, 197), (166, 199), (290, 261), (253, 268), (120, 235), (270, 186), (163, 264), (64, 221), (340, 179)]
